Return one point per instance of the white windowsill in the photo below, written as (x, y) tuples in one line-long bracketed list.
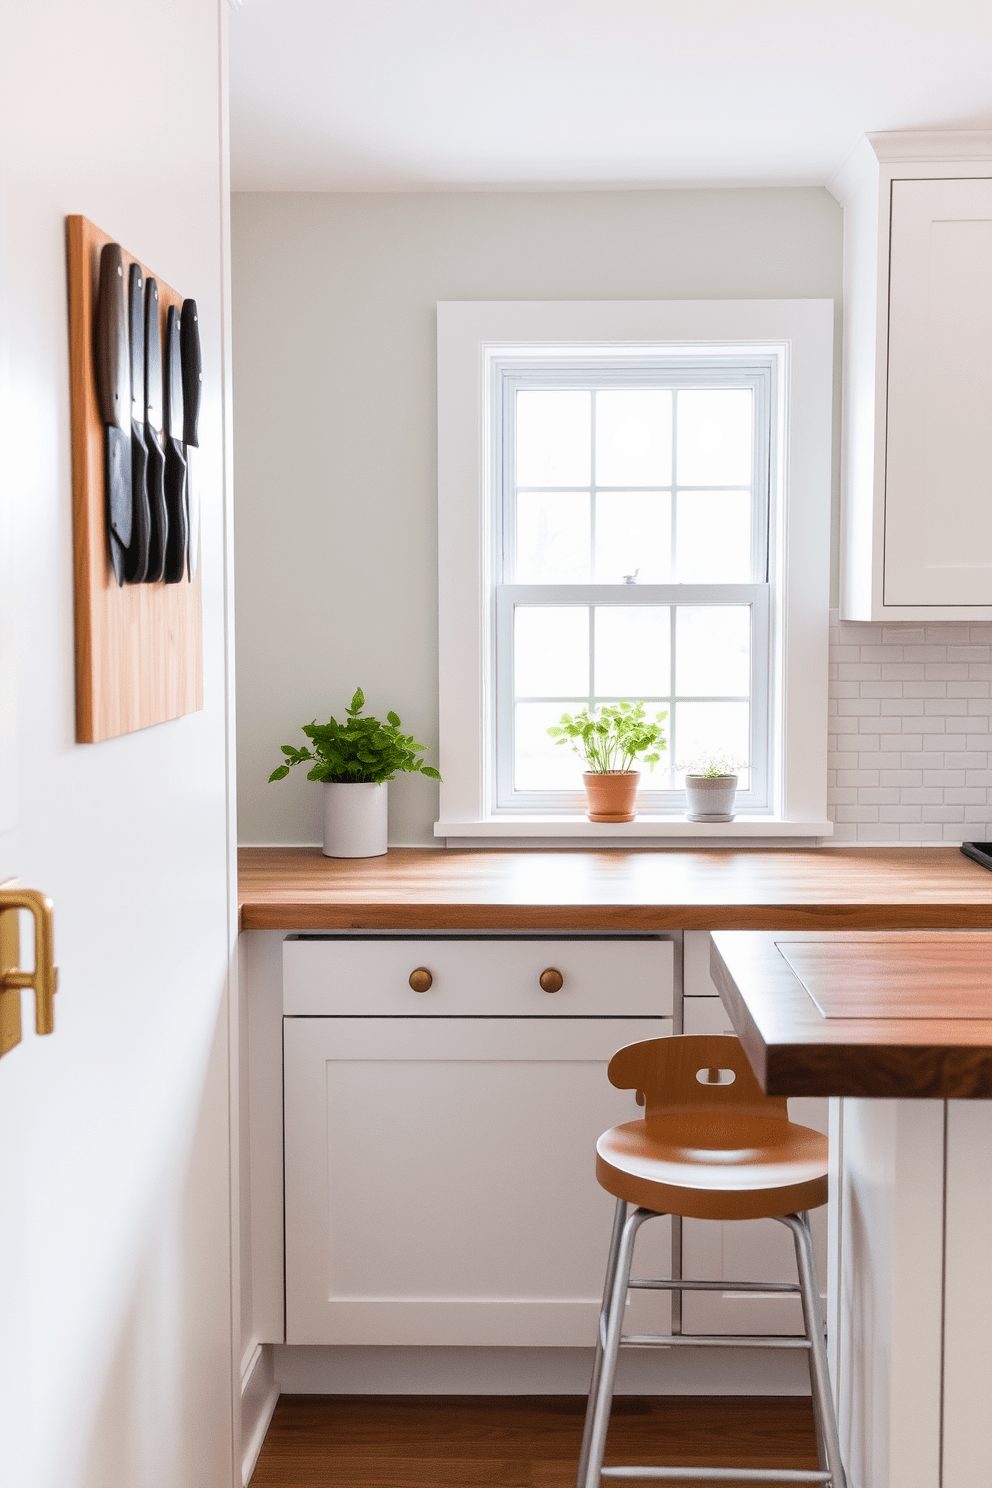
[(645, 831)]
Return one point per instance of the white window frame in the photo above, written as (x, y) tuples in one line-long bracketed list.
[(474, 339)]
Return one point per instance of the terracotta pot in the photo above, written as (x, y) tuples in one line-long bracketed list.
[(710, 797), (611, 794)]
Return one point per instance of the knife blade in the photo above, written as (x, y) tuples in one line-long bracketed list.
[(113, 384), (136, 560), (155, 473), (189, 337), (175, 465)]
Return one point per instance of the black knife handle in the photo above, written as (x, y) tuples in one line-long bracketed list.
[(173, 379), (136, 562), (175, 502), (153, 358), (192, 372), (113, 367), (136, 334), (159, 523)]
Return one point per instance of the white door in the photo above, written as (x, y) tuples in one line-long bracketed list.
[(938, 455), (441, 1180), (115, 1296)]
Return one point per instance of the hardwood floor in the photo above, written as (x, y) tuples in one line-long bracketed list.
[(404, 1441)]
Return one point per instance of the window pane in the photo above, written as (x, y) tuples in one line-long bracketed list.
[(551, 651), (633, 532), (633, 658), (714, 437), (552, 538), (706, 729), (713, 537), (713, 650), (539, 764), (634, 437), (553, 438)]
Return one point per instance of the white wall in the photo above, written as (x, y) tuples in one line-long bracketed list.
[(334, 366), (115, 1267)]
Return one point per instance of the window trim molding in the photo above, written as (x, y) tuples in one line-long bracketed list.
[(471, 336)]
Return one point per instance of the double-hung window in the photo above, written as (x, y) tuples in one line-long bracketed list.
[(633, 504), (631, 564)]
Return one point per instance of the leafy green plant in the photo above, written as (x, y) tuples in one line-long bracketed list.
[(361, 751), (612, 738), (712, 766)]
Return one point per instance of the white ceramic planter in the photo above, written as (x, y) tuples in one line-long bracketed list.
[(355, 820), (710, 798)]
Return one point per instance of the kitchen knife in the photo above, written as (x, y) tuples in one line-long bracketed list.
[(175, 465), (189, 338), (136, 560), (155, 473), (113, 385)]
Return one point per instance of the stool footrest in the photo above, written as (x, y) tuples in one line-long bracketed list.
[(670, 1284), (720, 1474), (713, 1340)]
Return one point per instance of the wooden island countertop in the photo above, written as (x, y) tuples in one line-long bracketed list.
[(899, 1016), (615, 889)]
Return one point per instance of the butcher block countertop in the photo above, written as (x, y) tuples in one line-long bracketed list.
[(418, 889), (905, 1016)]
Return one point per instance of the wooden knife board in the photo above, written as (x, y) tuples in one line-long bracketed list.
[(139, 647)]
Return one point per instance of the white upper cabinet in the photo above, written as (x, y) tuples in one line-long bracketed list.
[(916, 535)]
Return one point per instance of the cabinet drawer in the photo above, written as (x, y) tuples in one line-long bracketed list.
[(628, 977), (705, 1015)]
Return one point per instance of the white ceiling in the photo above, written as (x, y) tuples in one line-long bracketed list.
[(402, 95)]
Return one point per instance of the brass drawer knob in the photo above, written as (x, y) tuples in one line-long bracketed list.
[(552, 980), (421, 979)]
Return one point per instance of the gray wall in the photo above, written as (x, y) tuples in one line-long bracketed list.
[(335, 428)]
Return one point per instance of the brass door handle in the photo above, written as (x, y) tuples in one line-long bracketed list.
[(552, 980), (42, 981), (421, 979)]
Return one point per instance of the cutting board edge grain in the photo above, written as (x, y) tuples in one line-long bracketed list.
[(139, 648)]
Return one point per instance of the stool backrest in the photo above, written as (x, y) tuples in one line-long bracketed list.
[(688, 1072)]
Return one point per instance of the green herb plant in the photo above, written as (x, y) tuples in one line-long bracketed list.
[(712, 766), (613, 737), (361, 751)]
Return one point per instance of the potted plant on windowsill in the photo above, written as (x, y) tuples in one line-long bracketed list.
[(609, 741), (711, 787), (354, 762)]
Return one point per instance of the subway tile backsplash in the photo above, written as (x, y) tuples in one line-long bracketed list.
[(910, 747)]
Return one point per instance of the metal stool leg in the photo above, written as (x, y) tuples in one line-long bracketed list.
[(821, 1450), (828, 1437), (595, 1447), (619, 1218)]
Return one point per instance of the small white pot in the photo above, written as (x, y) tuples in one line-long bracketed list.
[(354, 820), (710, 798)]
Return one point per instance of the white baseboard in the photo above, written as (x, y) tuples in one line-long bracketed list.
[(259, 1393), (305, 1369)]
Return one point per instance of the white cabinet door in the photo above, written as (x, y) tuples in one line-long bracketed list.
[(938, 457), (440, 1180), (745, 1250)]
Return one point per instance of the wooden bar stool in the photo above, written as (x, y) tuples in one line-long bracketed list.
[(712, 1145)]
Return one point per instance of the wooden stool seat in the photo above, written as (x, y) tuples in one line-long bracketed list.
[(711, 1166)]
